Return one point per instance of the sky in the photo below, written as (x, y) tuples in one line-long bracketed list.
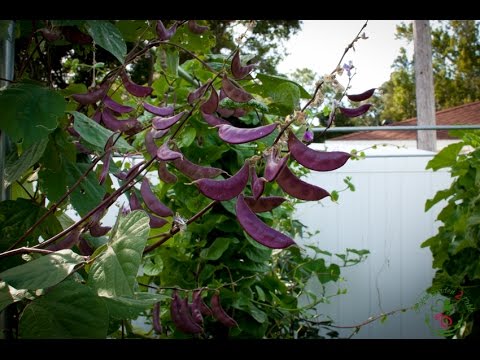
[(320, 44)]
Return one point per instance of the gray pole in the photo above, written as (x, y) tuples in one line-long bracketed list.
[(7, 59), (422, 42), (6, 72)]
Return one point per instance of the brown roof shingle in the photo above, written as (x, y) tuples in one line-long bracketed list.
[(467, 114)]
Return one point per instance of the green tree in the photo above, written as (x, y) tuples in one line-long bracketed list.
[(456, 70)]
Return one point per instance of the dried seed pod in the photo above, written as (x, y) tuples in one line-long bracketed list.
[(224, 112), (112, 123), (219, 313), (299, 189), (115, 106), (75, 36), (162, 123), (363, 96), (164, 34), (238, 112), (157, 134), (209, 106), (97, 117), (96, 230), (239, 71), (204, 309), (195, 28), (134, 170), (181, 316), (157, 325), (196, 307), (164, 153), (264, 204), (150, 145), (134, 89), (257, 229), (105, 167), (313, 159), (194, 171), (134, 202), (156, 222), (356, 111), (222, 190), (197, 93), (84, 247), (72, 238), (257, 184), (235, 135), (152, 202), (213, 120), (93, 96), (159, 111), (50, 34), (236, 93), (165, 175), (274, 164)]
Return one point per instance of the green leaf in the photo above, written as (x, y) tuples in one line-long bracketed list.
[(153, 267), (260, 255), (257, 314), (89, 193), (43, 272), (113, 273), (188, 136), (285, 98), (16, 168), (106, 35), (9, 295), (260, 292), (215, 251), (95, 134), (446, 157), (270, 82), (17, 216), (439, 196), (69, 310), (29, 112), (172, 62), (130, 307)]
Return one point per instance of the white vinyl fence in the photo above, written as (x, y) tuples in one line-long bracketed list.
[(384, 215)]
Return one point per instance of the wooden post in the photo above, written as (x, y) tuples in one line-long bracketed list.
[(422, 42)]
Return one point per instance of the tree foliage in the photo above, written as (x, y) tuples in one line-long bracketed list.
[(456, 70)]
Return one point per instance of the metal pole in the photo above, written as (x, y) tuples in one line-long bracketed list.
[(6, 72), (396, 128), (7, 60)]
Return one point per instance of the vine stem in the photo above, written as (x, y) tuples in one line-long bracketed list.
[(25, 250), (319, 86), (165, 236), (349, 46), (55, 205), (105, 203)]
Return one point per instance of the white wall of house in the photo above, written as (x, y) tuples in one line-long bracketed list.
[(386, 216)]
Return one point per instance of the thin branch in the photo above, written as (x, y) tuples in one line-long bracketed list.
[(105, 203), (164, 237), (25, 250), (55, 205), (339, 62)]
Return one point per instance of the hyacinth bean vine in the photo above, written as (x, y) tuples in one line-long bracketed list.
[(176, 127)]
